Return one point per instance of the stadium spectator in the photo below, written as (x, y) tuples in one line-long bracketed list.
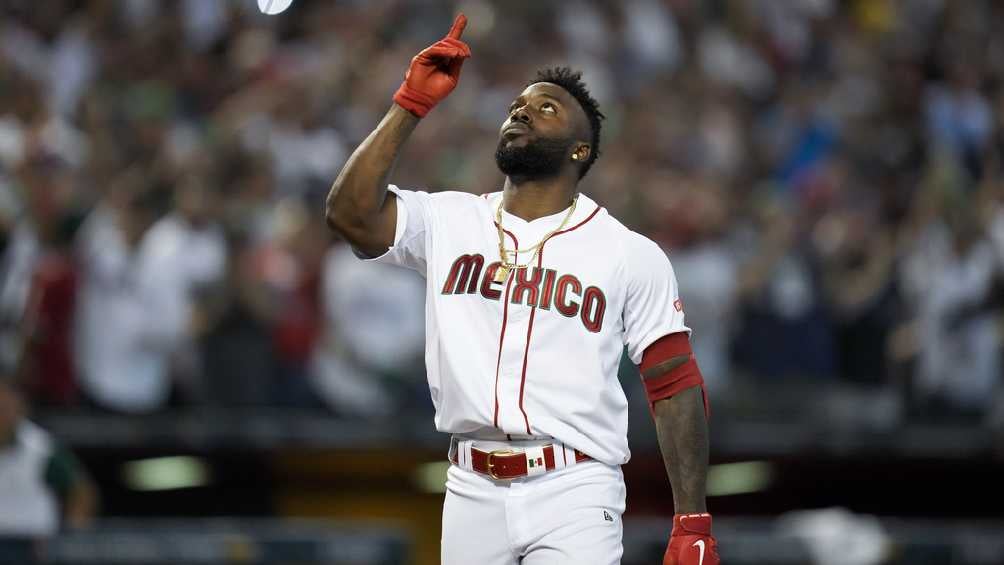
[(187, 249), (48, 366), (131, 312), (698, 243), (373, 336), (858, 254), (238, 355), (42, 485), (782, 304), (959, 362), (19, 253), (285, 274), (958, 114)]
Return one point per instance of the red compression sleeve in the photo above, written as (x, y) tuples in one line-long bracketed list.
[(660, 381)]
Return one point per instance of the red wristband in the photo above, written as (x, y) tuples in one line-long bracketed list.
[(417, 103), (692, 524)]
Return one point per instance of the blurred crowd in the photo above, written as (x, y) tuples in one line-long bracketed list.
[(827, 178)]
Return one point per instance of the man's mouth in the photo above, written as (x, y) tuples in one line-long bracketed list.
[(515, 130)]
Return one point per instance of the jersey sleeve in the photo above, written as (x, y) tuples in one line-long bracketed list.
[(652, 307), (411, 236)]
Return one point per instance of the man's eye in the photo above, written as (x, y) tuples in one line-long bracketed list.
[(548, 107)]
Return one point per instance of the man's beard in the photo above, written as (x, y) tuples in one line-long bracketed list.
[(539, 158)]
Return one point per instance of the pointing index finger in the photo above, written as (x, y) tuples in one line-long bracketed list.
[(458, 26)]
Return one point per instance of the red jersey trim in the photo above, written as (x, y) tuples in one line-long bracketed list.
[(557, 233), (533, 312), (505, 318), (576, 226), (526, 350)]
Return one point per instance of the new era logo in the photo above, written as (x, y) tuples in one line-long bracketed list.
[(607, 516), (678, 304)]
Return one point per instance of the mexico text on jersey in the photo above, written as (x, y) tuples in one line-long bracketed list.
[(535, 287)]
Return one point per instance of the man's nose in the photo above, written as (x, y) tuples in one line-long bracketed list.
[(521, 115)]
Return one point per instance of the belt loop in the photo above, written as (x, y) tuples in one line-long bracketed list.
[(465, 452), (569, 455), (559, 452)]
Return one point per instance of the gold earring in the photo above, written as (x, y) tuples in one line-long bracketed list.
[(575, 157)]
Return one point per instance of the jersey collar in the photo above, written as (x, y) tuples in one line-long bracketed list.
[(584, 208)]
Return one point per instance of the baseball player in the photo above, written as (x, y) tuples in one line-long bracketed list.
[(533, 293)]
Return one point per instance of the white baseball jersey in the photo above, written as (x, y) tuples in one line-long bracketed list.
[(536, 355)]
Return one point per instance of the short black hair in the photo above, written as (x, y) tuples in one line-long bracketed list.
[(571, 81)]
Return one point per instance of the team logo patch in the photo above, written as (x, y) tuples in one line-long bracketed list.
[(678, 304)]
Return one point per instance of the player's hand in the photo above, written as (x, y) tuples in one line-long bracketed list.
[(434, 72), (691, 542)]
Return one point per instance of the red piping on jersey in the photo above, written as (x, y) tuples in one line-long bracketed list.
[(575, 227), (529, 329), (526, 351), (505, 317)]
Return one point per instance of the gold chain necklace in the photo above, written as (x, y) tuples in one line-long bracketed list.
[(502, 273)]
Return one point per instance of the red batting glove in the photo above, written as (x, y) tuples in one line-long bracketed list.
[(434, 72), (692, 542)]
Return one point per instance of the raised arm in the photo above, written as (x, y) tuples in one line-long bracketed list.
[(357, 207)]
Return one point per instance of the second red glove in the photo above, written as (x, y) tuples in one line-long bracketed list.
[(434, 72), (691, 542)]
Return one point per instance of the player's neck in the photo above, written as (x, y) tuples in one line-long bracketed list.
[(532, 199)]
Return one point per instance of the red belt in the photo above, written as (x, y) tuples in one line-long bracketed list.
[(506, 464)]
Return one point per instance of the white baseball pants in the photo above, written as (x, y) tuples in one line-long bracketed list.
[(562, 517)]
